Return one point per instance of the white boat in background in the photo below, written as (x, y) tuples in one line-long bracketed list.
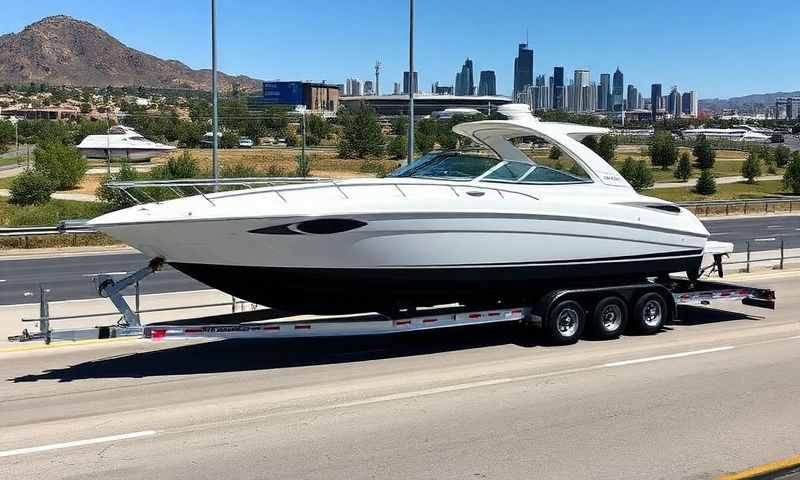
[(738, 134), (450, 227), (122, 142)]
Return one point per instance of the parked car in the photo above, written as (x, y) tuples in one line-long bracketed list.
[(245, 142), (776, 138)]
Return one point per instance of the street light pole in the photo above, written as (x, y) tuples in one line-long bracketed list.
[(214, 121), (411, 84)]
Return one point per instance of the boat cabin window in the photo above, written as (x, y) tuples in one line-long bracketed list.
[(521, 172), (450, 166)]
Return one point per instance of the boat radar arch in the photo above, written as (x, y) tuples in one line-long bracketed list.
[(516, 111)]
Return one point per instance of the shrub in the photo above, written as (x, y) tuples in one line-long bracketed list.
[(555, 153), (31, 187), (638, 174), (706, 184), (684, 168), (62, 164), (373, 166), (303, 168), (782, 155), (183, 166), (590, 142), (115, 199), (705, 154), (238, 170), (275, 170), (751, 168), (606, 147), (362, 135)]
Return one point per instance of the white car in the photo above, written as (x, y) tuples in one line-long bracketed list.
[(245, 142)]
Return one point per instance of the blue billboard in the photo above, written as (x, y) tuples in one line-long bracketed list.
[(284, 93)]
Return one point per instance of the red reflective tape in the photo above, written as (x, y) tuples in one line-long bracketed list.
[(516, 311), (474, 315), (193, 330), (494, 314), (272, 327), (430, 320), (302, 327), (403, 322)]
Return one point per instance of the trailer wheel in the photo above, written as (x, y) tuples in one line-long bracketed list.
[(649, 313), (566, 322), (609, 318)]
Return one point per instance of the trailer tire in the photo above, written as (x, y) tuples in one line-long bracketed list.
[(566, 322), (649, 313), (609, 318)]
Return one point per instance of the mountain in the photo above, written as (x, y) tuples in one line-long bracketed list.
[(61, 50), (714, 104)]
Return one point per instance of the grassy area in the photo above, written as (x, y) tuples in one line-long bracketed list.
[(728, 191), (5, 182), (11, 161), (50, 213)]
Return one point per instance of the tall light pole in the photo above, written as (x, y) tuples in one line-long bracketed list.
[(214, 99), (411, 84)]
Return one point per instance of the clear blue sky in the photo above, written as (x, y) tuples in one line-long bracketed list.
[(720, 48)]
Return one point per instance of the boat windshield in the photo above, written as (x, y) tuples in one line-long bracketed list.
[(466, 167)]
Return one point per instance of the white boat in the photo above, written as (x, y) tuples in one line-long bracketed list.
[(123, 143), (451, 227), (738, 134)]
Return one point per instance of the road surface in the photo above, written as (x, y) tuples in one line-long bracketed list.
[(68, 278), (716, 393)]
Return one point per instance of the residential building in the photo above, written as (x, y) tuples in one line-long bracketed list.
[(655, 99), (465, 80), (674, 102), (689, 103), (633, 98), (579, 96), (523, 69), (604, 93), (558, 89)]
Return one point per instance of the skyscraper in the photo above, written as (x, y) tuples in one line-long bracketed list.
[(617, 103), (604, 93), (655, 99), (689, 103), (368, 88), (396, 90), (465, 80), (523, 69), (407, 85), (558, 88), (352, 87), (488, 83), (580, 99), (633, 98), (674, 102)]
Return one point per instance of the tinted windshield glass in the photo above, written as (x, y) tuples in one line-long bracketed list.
[(521, 172), (454, 166)]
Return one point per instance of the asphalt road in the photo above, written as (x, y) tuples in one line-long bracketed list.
[(69, 278), (715, 393)]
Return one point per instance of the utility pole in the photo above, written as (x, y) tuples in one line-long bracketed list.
[(411, 84), (214, 98), (378, 66)]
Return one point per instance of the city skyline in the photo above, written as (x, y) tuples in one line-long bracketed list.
[(322, 45)]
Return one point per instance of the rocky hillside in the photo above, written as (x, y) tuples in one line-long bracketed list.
[(64, 51)]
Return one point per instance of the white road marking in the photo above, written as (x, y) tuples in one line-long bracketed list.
[(774, 226), (771, 239), (3, 281), (720, 233), (795, 338), (79, 443), (667, 357), (107, 273)]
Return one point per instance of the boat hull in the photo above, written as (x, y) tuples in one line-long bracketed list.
[(353, 290)]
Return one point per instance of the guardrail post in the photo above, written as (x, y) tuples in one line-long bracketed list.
[(781, 266), (745, 208), (137, 306), (727, 208), (747, 266), (44, 314), (233, 304)]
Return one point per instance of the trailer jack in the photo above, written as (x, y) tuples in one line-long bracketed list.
[(107, 287)]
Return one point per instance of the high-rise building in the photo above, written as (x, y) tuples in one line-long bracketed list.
[(368, 88), (580, 99), (523, 69), (407, 86), (465, 80), (633, 98), (674, 102), (780, 108), (617, 103), (689, 103), (604, 92), (488, 83), (441, 89), (655, 99), (539, 94), (793, 108), (397, 90), (352, 87), (558, 88)]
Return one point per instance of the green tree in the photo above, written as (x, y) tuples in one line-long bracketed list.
[(317, 129), (30, 187), (400, 126), (229, 140), (606, 147), (638, 174), (684, 168), (555, 153), (362, 135), (86, 108), (706, 183), (590, 142), (112, 197), (303, 166), (183, 166), (398, 147), (704, 153), (7, 133), (64, 165), (782, 155), (751, 168), (238, 170), (791, 177), (663, 151)]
